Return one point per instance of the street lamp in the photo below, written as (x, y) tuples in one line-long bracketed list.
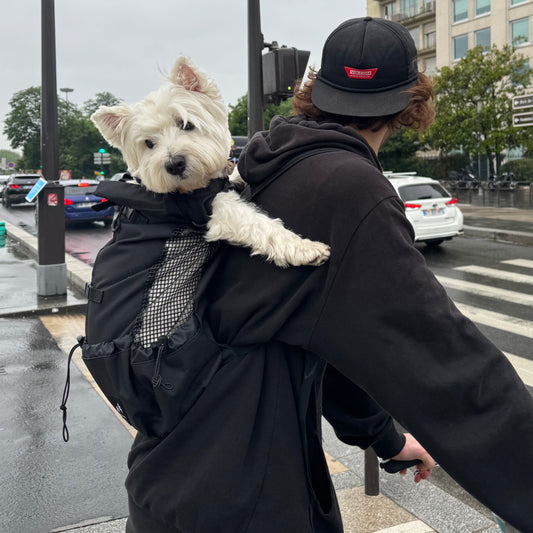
[(66, 90)]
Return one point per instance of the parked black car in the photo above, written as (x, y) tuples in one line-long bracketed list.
[(17, 187)]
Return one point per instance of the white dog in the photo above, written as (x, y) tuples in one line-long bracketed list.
[(176, 140)]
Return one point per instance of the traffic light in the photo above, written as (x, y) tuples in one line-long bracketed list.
[(102, 150), (281, 68)]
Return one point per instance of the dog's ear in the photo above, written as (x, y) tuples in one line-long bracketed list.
[(110, 122), (186, 75)]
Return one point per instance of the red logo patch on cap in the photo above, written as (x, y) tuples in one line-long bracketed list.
[(360, 74)]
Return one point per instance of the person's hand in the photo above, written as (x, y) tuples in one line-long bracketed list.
[(414, 450)]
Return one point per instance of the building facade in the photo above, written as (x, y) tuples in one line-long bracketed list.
[(444, 30)]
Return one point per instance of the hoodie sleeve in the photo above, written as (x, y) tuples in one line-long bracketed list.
[(388, 326), (357, 419)]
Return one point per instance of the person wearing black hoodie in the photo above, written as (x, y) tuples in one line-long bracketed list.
[(368, 336)]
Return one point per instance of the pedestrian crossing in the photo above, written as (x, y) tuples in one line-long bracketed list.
[(480, 282)]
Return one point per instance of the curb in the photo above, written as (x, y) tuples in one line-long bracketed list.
[(522, 238), (78, 272)]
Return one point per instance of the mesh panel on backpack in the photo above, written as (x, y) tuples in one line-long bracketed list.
[(169, 301)]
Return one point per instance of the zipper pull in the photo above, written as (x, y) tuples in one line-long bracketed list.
[(162, 344)]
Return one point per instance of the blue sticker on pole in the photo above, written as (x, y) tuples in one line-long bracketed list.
[(36, 189)]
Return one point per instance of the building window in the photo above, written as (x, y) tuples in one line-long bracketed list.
[(520, 31), (521, 71), (389, 10), (516, 2), (460, 10), (460, 46), (430, 35), (429, 66), (482, 38), (482, 7), (415, 34), (409, 8)]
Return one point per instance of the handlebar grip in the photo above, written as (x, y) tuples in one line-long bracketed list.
[(392, 466)]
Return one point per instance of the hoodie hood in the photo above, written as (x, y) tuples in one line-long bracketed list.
[(288, 137)]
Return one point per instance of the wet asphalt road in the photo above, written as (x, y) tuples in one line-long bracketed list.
[(39, 491)]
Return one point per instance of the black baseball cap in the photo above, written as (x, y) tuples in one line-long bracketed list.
[(367, 65)]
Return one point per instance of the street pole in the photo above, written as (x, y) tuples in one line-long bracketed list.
[(51, 268), (255, 69), (479, 107)]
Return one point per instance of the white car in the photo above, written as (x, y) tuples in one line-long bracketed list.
[(430, 208)]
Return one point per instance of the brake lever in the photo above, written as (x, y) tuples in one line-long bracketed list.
[(393, 466)]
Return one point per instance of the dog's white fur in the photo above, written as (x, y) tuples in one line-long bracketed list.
[(176, 140)]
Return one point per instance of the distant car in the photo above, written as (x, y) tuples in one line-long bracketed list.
[(79, 200), (430, 208), (238, 142), (17, 187), (118, 176)]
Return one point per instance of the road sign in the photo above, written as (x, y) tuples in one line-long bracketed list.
[(102, 159), (523, 119), (523, 102), (36, 189)]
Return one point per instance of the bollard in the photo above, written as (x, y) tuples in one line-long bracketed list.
[(371, 473), (2, 234)]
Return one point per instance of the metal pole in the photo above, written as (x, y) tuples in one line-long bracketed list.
[(371, 473), (51, 271), (255, 69)]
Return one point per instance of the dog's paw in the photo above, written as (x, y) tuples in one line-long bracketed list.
[(305, 253)]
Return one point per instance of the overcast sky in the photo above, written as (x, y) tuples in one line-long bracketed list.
[(122, 46)]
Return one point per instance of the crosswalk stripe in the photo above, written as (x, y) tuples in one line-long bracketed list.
[(523, 367), (415, 526), (526, 263), (498, 274), (499, 321), (486, 290)]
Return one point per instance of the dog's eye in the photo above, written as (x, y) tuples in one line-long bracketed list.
[(149, 143), (182, 126)]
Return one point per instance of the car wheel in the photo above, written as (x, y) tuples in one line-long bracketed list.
[(107, 223), (435, 242), (5, 202)]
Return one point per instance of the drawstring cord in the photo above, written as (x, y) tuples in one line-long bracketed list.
[(66, 390)]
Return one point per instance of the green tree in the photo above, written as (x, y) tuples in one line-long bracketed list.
[(238, 114), (398, 153), (100, 99), (78, 137), (474, 104), (238, 117), (23, 126)]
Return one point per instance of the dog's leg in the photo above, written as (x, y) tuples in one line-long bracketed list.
[(241, 223)]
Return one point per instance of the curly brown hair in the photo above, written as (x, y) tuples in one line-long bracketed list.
[(418, 115)]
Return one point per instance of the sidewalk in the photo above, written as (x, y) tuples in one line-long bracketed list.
[(402, 506)]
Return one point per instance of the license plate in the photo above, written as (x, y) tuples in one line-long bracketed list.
[(433, 212), (85, 204)]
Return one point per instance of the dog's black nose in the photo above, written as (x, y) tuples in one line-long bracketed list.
[(175, 165)]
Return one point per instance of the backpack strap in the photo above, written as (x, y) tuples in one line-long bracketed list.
[(250, 192)]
